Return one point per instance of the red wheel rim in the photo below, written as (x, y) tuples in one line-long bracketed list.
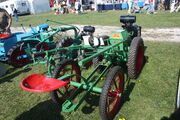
[(19, 57), (68, 90), (140, 58), (114, 95), (42, 47)]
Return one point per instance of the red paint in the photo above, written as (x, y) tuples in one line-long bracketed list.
[(4, 36), (41, 83)]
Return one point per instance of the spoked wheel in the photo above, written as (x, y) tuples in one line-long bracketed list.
[(64, 42), (135, 57), (64, 68), (17, 55), (110, 99)]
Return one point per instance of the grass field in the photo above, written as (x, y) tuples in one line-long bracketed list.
[(150, 97), (160, 20)]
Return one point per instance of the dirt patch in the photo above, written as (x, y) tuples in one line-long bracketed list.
[(156, 34)]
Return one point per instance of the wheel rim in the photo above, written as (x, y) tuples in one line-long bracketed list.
[(68, 90), (140, 58), (19, 57), (42, 47), (114, 94)]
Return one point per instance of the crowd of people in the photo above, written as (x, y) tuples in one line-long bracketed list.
[(148, 6), (63, 8), (175, 6), (133, 7)]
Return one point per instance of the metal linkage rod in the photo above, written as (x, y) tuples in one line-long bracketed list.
[(85, 60)]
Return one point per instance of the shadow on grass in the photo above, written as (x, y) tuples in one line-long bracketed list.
[(8, 77), (93, 99), (93, 102), (127, 92), (174, 116), (43, 111)]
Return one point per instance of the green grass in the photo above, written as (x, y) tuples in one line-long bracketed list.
[(150, 97), (160, 20)]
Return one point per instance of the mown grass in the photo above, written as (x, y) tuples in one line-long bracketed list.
[(150, 97), (160, 20)]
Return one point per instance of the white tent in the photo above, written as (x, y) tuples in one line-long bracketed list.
[(38, 6), (21, 5)]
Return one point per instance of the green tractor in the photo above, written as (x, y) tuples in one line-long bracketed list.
[(122, 58)]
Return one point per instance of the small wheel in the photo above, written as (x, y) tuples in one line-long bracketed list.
[(178, 94), (17, 55), (96, 61), (5, 21), (65, 67), (64, 42), (111, 95), (135, 57)]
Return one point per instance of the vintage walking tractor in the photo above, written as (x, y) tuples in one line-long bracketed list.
[(10, 43), (14, 47), (123, 54)]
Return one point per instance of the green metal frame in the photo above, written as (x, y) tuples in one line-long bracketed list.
[(114, 54), (48, 37), (90, 86)]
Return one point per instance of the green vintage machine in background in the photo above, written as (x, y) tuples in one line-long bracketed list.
[(44, 37), (120, 59)]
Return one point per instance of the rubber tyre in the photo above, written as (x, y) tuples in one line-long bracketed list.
[(5, 22), (13, 54), (57, 73), (108, 91), (135, 58), (64, 42), (96, 61)]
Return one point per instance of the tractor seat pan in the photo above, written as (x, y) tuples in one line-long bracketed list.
[(41, 83), (4, 36)]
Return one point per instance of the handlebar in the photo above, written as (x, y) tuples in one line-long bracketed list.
[(63, 24)]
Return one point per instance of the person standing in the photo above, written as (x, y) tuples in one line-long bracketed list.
[(150, 7), (77, 7), (15, 13), (167, 4), (172, 8), (131, 6)]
